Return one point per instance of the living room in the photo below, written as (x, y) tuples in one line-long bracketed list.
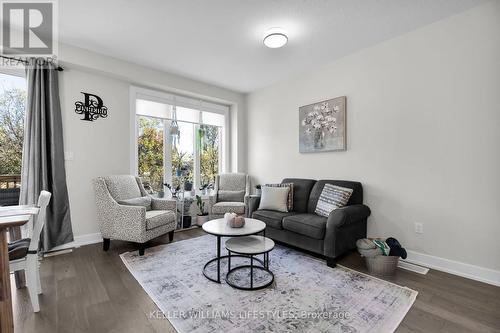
[(355, 143)]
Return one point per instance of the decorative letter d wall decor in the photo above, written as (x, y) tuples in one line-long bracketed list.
[(92, 107)]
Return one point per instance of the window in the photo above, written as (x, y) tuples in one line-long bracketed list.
[(150, 146), (12, 111), (180, 141)]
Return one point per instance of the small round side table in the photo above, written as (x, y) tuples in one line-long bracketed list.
[(250, 246)]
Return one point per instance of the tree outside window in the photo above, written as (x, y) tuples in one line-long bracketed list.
[(12, 112), (150, 152), (209, 153)]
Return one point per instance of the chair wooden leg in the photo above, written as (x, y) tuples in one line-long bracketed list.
[(6, 321), (171, 236), (105, 243), (142, 247), (38, 282), (31, 281)]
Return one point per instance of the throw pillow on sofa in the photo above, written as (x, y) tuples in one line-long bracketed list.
[(331, 198), (290, 193), (230, 196), (274, 198), (141, 201)]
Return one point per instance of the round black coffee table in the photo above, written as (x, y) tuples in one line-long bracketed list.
[(219, 228), (250, 246)]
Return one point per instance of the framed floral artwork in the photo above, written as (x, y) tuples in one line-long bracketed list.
[(322, 126)]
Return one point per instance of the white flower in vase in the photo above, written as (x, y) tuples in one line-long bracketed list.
[(319, 122)]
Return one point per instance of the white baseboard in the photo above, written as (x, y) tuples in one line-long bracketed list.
[(412, 267), (80, 241), (469, 271)]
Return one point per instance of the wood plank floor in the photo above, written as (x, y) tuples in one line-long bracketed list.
[(89, 290)]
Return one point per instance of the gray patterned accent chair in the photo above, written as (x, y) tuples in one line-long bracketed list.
[(231, 195), (129, 222)]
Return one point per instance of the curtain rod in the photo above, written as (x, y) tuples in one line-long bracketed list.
[(58, 68)]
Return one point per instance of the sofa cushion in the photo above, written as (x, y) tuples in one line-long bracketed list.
[(274, 198), (271, 218), (18, 249), (289, 202), (157, 218), (230, 196), (301, 190), (332, 197), (355, 199), (222, 208), (232, 181), (310, 225), (122, 187), (141, 202)]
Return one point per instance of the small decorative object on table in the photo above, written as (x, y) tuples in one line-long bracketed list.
[(234, 221)]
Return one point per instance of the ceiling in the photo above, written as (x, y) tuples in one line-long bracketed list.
[(220, 41)]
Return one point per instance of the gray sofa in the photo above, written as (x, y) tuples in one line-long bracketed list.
[(302, 228)]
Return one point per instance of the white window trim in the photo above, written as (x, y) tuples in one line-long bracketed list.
[(171, 98), (14, 71)]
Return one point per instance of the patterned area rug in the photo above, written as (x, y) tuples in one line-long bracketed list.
[(306, 296)]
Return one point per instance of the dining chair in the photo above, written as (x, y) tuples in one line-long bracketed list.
[(23, 253)]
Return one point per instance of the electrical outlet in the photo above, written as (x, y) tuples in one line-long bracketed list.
[(419, 228)]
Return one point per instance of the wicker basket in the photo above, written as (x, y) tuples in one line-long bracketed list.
[(382, 265)]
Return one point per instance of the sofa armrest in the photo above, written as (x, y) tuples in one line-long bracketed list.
[(125, 222), (212, 200), (353, 218), (131, 219), (253, 203), (248, 185), (163, 204), (347, 215)]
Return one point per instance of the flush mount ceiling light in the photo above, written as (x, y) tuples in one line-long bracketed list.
[(275, 38)]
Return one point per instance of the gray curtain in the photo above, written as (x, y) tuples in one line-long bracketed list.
[(43, 152)]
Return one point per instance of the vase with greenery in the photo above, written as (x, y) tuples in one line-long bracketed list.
[(206, 188), (202, 215), (203, 189), (173, 189)]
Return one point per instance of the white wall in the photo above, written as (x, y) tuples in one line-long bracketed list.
[(423, 134), (102, 147)]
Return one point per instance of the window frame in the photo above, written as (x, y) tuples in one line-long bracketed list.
[(181, 101), (14, 71)]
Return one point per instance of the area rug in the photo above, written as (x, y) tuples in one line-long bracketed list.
[(306, 295)]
